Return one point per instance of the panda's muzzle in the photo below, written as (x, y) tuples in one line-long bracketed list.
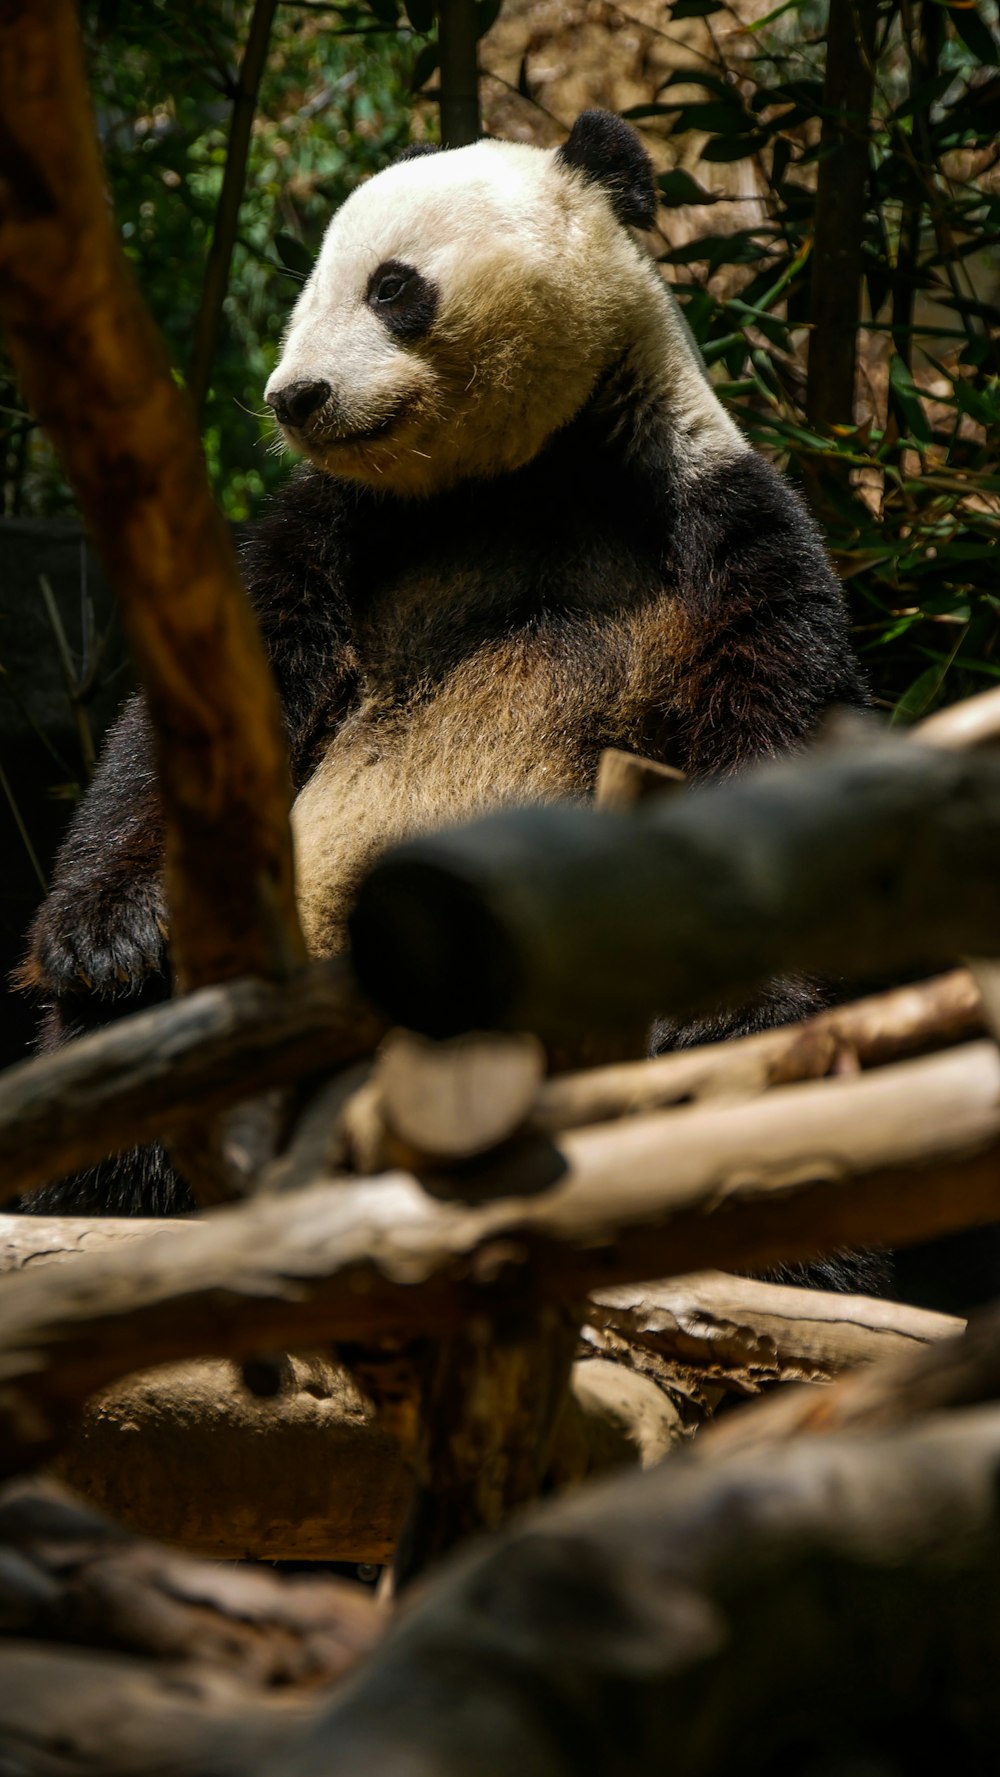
[(297, 402)]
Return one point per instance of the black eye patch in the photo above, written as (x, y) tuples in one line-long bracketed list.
[(404, 301)]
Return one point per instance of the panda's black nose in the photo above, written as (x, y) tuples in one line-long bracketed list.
[(296, 401)]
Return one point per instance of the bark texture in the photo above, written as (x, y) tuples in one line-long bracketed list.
[(897, 1155), (95, 373)]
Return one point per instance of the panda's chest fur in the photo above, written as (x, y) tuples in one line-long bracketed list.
[(503, 636)]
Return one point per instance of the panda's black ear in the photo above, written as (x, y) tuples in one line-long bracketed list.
[(608, 152), (415, 150)]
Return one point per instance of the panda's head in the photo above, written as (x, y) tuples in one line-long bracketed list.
[(464, 306)]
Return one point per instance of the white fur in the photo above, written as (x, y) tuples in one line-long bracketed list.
[(541, 290)]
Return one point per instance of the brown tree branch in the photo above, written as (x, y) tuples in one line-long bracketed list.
[(186, 1453), (841, 188), (132, 1082), (458, 40), (960, 1372), (227, 212), (96, 374), (742, 1335)]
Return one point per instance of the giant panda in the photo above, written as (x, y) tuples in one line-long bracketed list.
[(525, 530)]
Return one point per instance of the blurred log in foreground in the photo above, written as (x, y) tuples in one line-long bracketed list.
[(96, 374), (896, 1155), (822, 1607), (849, 862), (128, 1658)]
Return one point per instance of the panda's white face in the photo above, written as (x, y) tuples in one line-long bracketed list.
[(462, 309)]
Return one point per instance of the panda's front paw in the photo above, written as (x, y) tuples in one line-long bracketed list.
[(89, 944)]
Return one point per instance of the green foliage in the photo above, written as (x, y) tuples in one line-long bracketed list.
[(910, 506)]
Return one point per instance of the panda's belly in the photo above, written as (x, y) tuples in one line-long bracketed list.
[(385, 776)]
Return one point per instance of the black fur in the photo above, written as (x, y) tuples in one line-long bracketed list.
[(358, 590), (408, 313), (415, 150), (609, 153)]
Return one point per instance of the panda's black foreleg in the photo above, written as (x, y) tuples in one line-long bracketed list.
[(97, 950), (785, 1000), (98, 944)]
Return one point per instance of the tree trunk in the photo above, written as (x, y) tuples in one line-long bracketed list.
[(841, 195)]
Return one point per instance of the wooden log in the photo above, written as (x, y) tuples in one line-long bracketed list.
[(846, 863), (624, 779), (71, 1575), (133, 1081), (975, 722), (491, 1401), (130, 1083), (490, 1397), (186, 1453), (68, 1711), (741, 1335), (961, 1371), (740, 1332), (867, 1033), (896, 1155), (126, 1657), (444, 1102), (97, 376), (779, 1611)]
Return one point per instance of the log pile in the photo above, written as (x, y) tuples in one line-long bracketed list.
[(458, 1275)]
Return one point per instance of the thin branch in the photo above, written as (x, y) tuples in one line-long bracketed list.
[(227, 214)]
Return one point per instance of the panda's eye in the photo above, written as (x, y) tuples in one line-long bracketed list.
[(403, 299), (390, 287)]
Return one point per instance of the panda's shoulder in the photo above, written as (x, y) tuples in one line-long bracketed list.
[(743, 509)]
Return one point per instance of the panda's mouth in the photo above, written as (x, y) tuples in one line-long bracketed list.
[(370, 434)]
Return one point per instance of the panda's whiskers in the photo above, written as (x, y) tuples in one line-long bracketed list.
[(256, 413)]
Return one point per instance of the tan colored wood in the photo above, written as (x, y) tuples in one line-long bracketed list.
[(849, 862), (867, 1033), (186, 1453), (625, 779), (743, 1335), (454, 1100), (898, 1154), (129, 1658), (975, 722)]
